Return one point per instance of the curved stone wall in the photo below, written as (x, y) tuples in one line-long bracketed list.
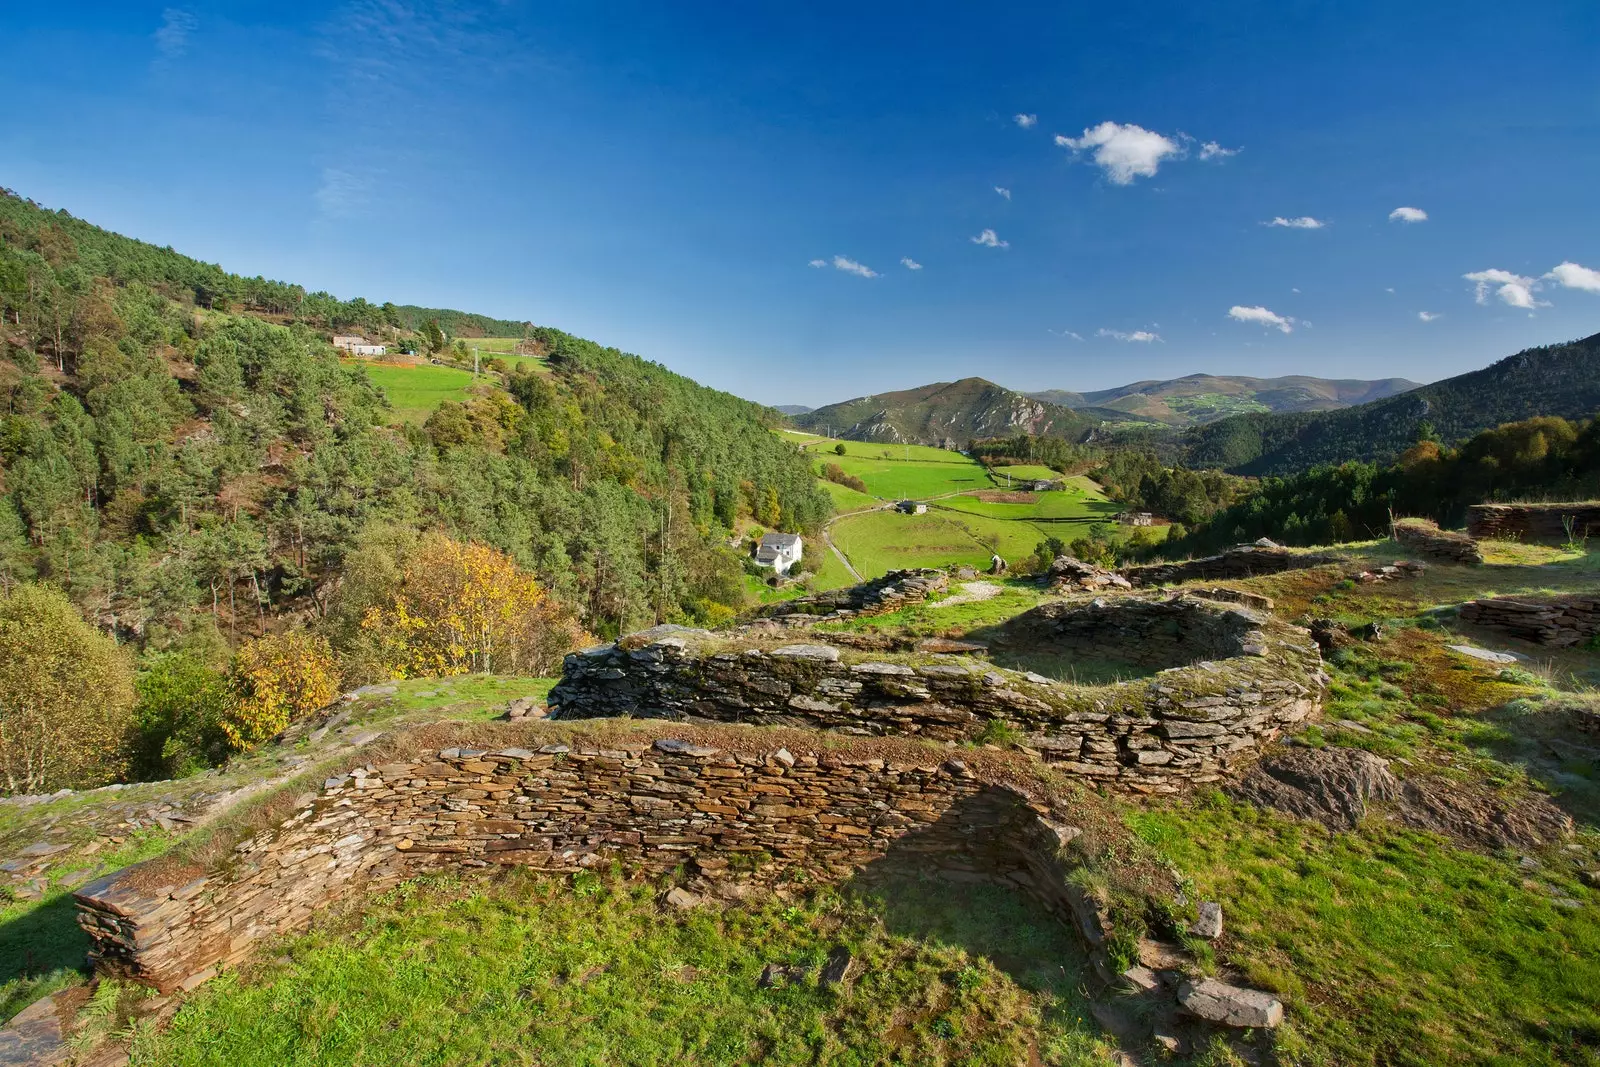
[(650, 802), (1245, 677), (1548, 523)]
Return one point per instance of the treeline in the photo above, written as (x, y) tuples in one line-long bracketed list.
[(52, 256), (1541, 458), (1140, 481), (1058, 453)]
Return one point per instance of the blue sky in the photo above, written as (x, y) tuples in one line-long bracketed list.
[(661, 177)]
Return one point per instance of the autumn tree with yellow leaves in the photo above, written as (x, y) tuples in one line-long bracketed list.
[(466, 607), (276, 680)]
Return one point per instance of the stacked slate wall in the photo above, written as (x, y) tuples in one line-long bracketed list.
[(1542, 523), (1560, 621)]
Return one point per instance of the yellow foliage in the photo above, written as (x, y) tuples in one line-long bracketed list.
[(276, 680), (465, 607)]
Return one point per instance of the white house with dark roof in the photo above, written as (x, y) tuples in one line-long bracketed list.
[(780, 551)]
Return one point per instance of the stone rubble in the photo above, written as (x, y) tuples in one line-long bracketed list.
[(1426, 538)]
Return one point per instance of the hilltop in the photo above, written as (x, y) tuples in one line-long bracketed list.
[(1200, 398), (950, 414), (1550, 380)]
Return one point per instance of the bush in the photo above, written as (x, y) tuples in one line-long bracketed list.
[(66, 695), (274, 681), (183, 699)]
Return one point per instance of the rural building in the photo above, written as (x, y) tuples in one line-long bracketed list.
[(911, 507), (1042, 485), (357, 345), (780, 551), (1136, 518)]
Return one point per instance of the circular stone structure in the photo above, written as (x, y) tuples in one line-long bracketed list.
[(1217, 680)]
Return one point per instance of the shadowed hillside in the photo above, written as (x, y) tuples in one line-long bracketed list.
[(1552, 380)]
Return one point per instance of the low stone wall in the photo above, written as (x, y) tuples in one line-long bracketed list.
[(893, 591), (1560, 621), (1543, 523), (651, 803), (1246, 561), (1427, 539), (1247, 677)]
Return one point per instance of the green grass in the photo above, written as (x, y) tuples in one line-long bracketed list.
[(415, 391), (847, 499), (1024, 472), (531, 969), (1392, 947), (917, 478), (1066, 504), (882, 541)]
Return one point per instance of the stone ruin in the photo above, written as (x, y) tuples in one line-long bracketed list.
[(723, 816), (1217, 681), (1427, 539), (1559, 621), (1552, 524), (893, 591)]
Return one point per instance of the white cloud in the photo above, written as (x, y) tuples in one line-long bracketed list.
[(172, 39), (990, 239), (1212, 150), (1064, 333), (1570, 275), (1408, 214), (1427, 316), (819, 263), (1123, 152), (1139, 336), (1303, 222), (850, 266), (343, 193), (910, 264), (1003, 191), (1262, 316), (1027, 122), (1511, 288)]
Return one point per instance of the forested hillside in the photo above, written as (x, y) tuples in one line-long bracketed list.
[(1201, 398), (180, 445), (949, 414), (1558, 380)]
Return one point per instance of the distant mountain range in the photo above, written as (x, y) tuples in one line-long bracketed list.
[(791, 409), (1559, 380), (952, 413), (1200, 398)]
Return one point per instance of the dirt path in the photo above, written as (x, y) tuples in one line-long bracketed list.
[(827, 536)]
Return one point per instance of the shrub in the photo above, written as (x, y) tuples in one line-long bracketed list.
[(66, 695), (183, 700), (276, 680)]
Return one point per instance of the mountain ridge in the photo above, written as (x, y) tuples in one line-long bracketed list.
[(1195, 399)]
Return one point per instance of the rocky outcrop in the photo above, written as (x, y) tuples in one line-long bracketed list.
[(1334, 786), (1226, 679), (1427, 539), (1551, 524), (1073, 574), (1245, 561), (893, 591), (1329, 785), (1561, 621)]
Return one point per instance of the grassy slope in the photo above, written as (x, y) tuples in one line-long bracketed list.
[(416, 390), (41, 947), (589, 971)]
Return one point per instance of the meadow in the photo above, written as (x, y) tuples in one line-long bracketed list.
[(415, 390)]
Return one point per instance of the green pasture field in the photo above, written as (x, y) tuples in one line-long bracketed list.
[(882, 541), (1024, 472), (917, 478), (415, 391), (1066, 504), (847, 499)]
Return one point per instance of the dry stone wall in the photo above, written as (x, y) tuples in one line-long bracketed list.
[(893, 591), (1560, 621), (1234, 678), (1427, 539), (651, 803), (1246, 561), (1544, 523)]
